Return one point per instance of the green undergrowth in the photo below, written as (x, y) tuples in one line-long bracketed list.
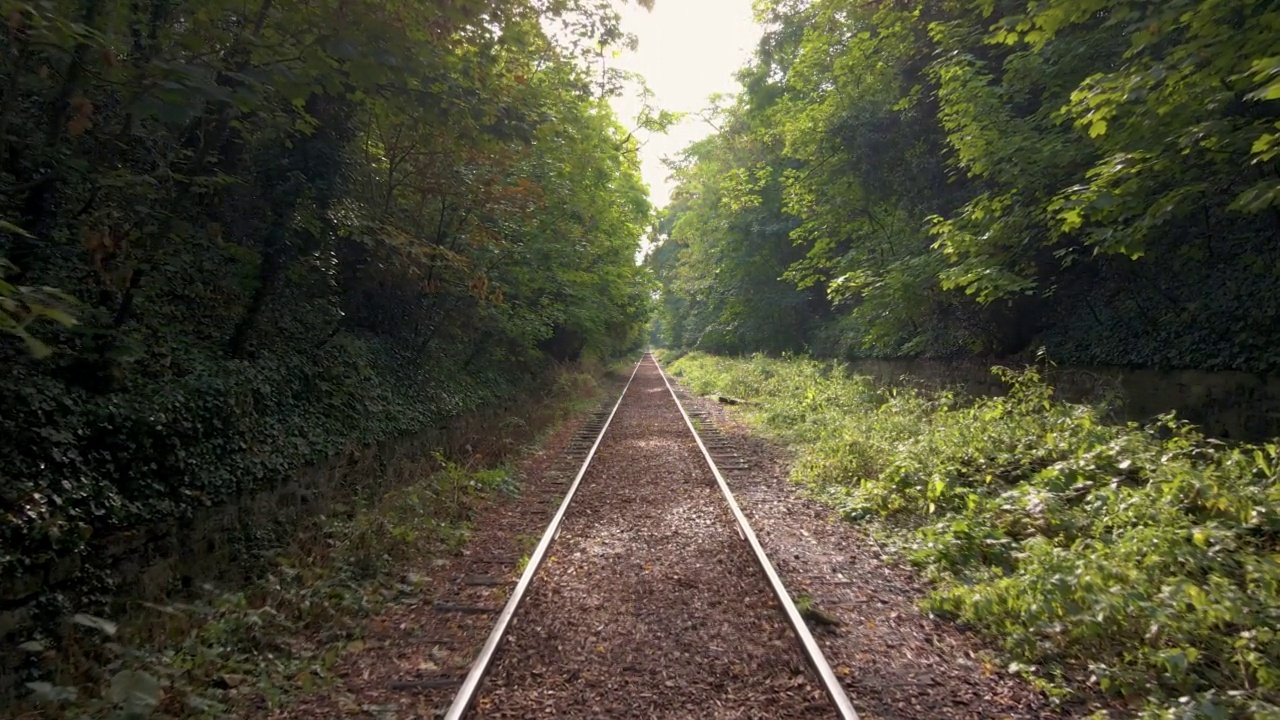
[(1141, 560), (225, 652)]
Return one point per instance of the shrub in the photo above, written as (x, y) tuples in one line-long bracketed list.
[(281, 634)]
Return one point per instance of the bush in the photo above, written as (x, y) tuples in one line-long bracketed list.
[(280, 635), (77, 466), (1146, 559)]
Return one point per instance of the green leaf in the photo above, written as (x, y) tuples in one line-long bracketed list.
[(137, 692), (36, 347), (1267, 92), (1259, 197), (50, 693), (101, 624), (9, 227), (55, 314)]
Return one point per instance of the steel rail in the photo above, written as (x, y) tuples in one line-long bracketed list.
[(467, 691), (812, 652)]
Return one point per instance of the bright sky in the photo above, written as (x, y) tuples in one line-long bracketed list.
[(689, 49)]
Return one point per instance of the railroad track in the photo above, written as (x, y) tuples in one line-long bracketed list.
[(650, 595)]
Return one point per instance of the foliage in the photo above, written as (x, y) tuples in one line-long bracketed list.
[(1141, 558), (284, 230), (720, 272), (281, 635), (22, 306), (980, 177), (284, 633)]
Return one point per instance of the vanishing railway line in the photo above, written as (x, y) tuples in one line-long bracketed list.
[(648, 593)]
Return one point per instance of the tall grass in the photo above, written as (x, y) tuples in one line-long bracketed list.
[(1142, 560)]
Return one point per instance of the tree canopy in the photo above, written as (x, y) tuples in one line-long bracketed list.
[(982, 177)]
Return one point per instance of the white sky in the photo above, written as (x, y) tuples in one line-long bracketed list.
[(689, 49)]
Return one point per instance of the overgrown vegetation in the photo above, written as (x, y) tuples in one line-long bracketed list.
[(240, 238), (982, 177), (282, 634), (279, 635), (1144, 561)]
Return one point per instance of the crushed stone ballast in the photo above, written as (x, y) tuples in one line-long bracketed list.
[(656, 601)]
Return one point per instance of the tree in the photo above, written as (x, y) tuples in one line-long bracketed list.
[(288, 228), (987, 176)]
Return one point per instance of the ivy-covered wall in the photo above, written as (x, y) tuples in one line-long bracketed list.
[(228, 499), (75, 466)]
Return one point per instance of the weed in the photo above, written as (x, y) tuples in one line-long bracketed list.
[(528, 542), (665, 356)]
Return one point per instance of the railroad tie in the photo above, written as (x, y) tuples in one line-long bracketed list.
[(463, 609), (441, 682), (485, 580)]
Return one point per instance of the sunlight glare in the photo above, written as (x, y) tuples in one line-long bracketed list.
[(689, 50)]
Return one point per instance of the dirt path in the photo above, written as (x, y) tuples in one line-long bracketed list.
[(650, 605)]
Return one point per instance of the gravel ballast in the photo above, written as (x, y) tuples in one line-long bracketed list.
[(649, 604)]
